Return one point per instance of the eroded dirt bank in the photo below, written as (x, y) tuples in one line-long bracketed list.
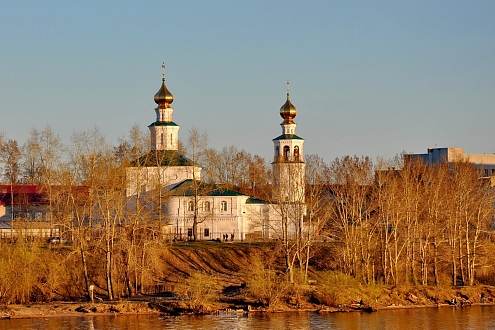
[(230, 267)]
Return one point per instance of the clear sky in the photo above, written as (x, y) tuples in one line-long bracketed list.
[(368, 78)]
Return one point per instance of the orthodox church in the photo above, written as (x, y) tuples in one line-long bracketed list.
[(191, 208)]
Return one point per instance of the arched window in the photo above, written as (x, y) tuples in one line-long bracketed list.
[(206, 206), (223, 206), (296, 153), (190, 206), (287, 152), (277, 151)]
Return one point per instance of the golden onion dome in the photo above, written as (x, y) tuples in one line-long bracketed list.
[(288, 111), (163, 96)]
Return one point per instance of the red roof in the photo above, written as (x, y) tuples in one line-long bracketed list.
[(32, 194), (20, 188)]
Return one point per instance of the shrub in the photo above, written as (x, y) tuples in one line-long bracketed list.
[(262, 283), (337, 289), (200, 291)]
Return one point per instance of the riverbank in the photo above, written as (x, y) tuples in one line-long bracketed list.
[(74, 309), (238, 302), (70, 309), (210, 278)]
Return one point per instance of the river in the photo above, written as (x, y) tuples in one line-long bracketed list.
[(452, 318)]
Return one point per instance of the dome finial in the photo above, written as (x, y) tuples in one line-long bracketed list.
[(163, 97), (288, 111)]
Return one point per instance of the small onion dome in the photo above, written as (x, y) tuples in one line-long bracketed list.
[(288, 111), (163, 97)]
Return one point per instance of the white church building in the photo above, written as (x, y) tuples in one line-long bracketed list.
[(185, 200)]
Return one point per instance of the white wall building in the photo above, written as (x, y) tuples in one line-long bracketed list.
[(218, 211)]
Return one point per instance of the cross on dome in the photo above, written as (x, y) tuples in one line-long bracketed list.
[(288, 111), (163, 97)]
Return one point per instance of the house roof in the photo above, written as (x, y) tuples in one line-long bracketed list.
[(34, 194), (252, 200), (20, 188), (162, 158), (187, 188)]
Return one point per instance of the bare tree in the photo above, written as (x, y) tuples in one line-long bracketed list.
[(10, 155), (196, 147), (47, 149), (318, 204), (471, 209), (352, 186)]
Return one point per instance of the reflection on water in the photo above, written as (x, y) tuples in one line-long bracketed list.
[(475, 317)]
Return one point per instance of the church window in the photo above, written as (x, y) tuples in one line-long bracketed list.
[(206, 206), (223, 206), (277, 151), (190, 206)]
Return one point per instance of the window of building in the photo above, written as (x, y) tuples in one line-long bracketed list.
[(207, 232), (190, 206), (277, 151), (223, 206), (189, 232), (206, 206)]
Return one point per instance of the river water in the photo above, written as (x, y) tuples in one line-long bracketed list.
[(452, 318)]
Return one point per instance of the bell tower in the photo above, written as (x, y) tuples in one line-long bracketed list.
[(288, 161), (164, 132)]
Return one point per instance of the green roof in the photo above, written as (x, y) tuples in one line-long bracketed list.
[(163, 123), (252, 200), (186, 188), (288, 137), (162, 158)]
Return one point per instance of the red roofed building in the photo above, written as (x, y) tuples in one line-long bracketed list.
[(25, 209)]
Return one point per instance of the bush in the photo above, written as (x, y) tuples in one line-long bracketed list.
[(337, 289), (200, 291), (263, 284)]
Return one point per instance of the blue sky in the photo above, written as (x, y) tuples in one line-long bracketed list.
[(370, 78)]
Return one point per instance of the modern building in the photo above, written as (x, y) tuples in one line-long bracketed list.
[(185, 199), (483, 162)]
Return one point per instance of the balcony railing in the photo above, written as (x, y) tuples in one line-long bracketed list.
[(290, 159)]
